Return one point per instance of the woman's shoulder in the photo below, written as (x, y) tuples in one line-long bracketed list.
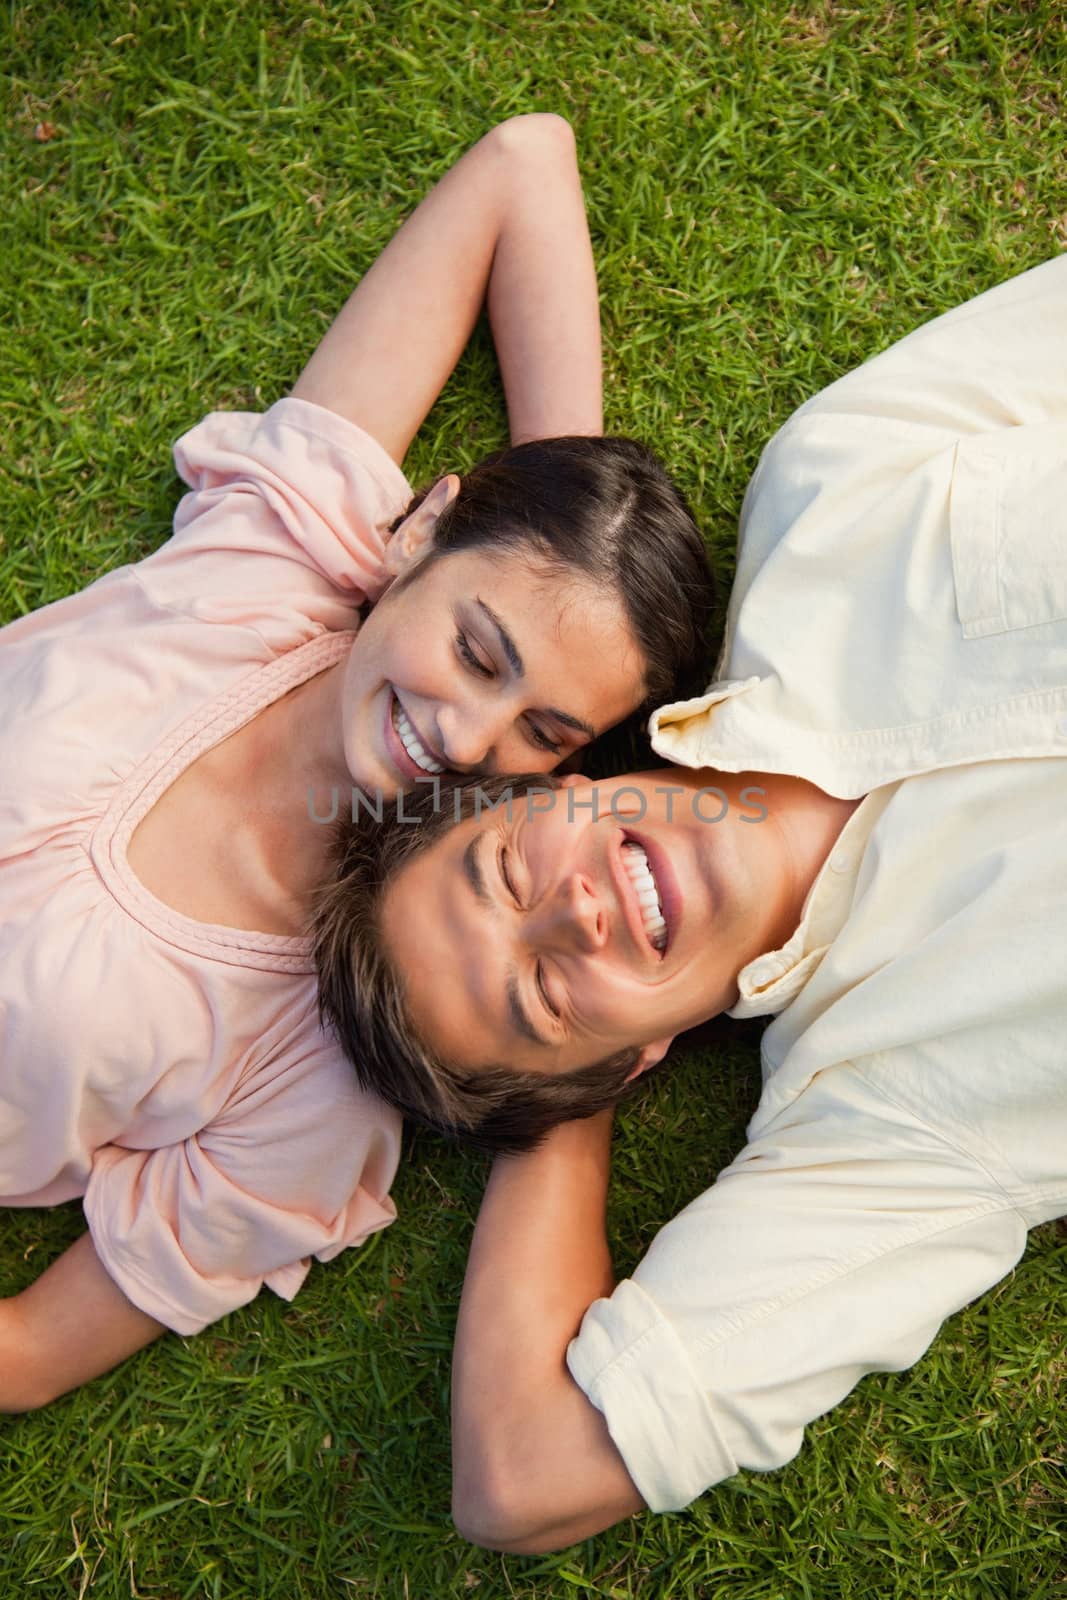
[(306, 492)]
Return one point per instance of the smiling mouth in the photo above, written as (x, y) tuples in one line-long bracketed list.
[(414, 748), (649, 899)]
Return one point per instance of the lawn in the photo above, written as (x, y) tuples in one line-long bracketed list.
[(776, 192)]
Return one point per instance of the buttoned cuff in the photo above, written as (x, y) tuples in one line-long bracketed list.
[(632, 1366)]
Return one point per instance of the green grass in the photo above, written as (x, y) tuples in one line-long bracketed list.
[(776, 193)]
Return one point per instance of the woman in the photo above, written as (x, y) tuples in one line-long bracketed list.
[(169, 731)]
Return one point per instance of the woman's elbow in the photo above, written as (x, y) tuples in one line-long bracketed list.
[(541, 133)]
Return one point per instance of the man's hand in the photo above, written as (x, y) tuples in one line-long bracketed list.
[(534, 1467), (71, 1325)]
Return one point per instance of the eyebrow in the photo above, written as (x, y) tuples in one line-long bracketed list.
[(507, 643), (475, 875), (515, 661)]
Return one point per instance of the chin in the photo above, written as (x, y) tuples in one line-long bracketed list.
[(377, 782)]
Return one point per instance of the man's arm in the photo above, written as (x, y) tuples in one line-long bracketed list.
[(534, 1467), (507, 222), (834, 1246), (71, 1325)]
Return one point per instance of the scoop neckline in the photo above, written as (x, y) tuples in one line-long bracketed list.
[(198, 733)]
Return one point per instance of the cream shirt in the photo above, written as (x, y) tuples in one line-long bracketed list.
[(897, 629)]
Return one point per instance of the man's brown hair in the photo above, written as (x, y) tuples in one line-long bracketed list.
[(361, 994)]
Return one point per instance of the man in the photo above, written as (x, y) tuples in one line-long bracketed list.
[(885, 877)]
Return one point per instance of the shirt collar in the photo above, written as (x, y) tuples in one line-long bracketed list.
[(768, 983)]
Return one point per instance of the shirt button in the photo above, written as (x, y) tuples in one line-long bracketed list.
[(840, 862)]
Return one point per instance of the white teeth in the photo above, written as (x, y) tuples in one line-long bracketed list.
[(411, 741), (640, 874)]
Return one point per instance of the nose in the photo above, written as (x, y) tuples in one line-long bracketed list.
[(570, 919), (467, 734)]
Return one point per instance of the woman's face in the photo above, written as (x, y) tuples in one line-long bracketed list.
[(485, 662)]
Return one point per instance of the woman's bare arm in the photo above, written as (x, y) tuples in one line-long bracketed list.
[(71, 1325), (533, 1464), (506, 223)]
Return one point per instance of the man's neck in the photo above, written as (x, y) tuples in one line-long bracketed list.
[(808, 823)]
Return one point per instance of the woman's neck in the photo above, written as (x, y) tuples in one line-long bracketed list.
[(301, 749), (288, 771)]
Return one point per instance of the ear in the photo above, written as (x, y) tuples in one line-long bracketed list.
[(651, 1056), (414, 536)]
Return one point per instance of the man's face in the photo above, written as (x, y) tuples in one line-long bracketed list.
[(551, 940)]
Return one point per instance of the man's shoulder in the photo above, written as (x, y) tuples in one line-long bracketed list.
[(992, 363)]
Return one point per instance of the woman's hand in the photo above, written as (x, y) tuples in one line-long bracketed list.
[(506, 223)]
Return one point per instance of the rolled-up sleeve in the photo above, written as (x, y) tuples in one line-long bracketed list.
[(834, 1246), (297, 1165)]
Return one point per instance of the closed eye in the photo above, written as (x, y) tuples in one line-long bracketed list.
[(541, 739), (466, 653), (539, 971), (543, 992), (502, 862)]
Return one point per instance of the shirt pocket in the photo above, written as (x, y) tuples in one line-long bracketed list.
[(1008, 529)]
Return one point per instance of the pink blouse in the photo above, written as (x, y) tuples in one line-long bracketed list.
[(171, 1072)]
